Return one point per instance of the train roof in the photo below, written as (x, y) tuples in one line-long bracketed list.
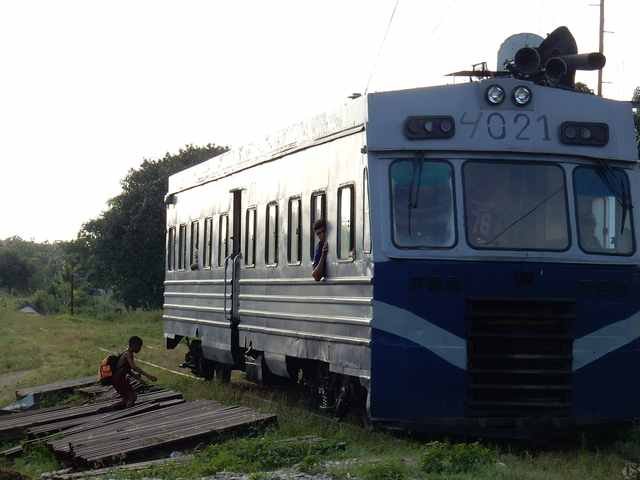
[(479, 127), (347, 119)]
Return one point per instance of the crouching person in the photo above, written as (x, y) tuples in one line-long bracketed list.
[(127, 365)]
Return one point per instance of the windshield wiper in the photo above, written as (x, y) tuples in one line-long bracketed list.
[(416, 176), (525, 215)]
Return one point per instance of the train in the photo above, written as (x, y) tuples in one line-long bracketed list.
[(482, 267)]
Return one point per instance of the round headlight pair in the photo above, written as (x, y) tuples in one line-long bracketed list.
[(520, 95)]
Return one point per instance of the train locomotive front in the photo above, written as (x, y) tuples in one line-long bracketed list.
[(506, 277)]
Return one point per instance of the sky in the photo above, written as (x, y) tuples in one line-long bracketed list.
[(90, 89)]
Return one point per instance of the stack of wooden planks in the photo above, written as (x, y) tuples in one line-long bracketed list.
[(16, 425), (102, 433), (115, 440)]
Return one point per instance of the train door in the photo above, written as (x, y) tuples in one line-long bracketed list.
[(232, 272)]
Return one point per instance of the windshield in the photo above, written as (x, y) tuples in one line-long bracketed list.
[(423, 207), (515, 206), (604, 219)]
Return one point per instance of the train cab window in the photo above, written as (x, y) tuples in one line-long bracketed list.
[(318, 209), (366, 221), (208, 242), (250, 238), (182, 247), (603, 208), (513, 206), (171, 249), (271, 237), (195, 241), (294, 231), (223, 239), (346, 231), (423, 211)]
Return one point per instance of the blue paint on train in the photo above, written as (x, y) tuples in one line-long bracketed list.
[(608, 388), (409, 381)]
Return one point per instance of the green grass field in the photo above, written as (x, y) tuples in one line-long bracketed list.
[(37, 350)]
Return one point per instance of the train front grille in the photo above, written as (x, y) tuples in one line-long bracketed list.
[(519, 357)]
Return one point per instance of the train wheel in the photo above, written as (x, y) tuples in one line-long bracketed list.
[(223, 373), (206, 369)]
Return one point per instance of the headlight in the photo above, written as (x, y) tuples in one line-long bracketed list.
[(521, 96), (570, 132), (446, 125), (585, 133), (495, 94)]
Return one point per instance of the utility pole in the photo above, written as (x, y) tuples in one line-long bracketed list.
[(72, 288), (601, 49)]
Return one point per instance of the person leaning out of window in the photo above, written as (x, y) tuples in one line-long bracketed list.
[(320, 257)]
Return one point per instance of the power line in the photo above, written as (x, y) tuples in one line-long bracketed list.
[(601, 45), (375, 62)]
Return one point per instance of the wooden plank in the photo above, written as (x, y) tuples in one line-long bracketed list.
[(67, 474), (12, 452), (138, 437), (83, 423), (104, 431), (57, 387), (12, 426)]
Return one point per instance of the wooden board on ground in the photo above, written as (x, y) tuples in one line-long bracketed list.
[(67, 474), (16, 425), (57, 387), (134, 435)]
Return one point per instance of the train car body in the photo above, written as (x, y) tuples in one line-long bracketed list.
[(482, 267)]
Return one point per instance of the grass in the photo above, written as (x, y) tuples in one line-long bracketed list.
[(48, 349), (248, 455)]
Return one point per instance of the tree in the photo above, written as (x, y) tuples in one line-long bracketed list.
[(637, 121), (583, 87), (15, 271), (124, 248)]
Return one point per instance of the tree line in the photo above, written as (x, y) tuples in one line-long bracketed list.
[(117, 257), (119, 254)]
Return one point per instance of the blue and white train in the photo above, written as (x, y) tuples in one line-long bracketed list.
[(483, 260)]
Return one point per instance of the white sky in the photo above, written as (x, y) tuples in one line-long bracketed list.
[(88, 89)]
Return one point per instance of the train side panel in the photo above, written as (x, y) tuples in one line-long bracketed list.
[(282, 310)]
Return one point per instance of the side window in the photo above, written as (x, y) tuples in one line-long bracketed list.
[(318, 210), (366, 220), (250, 238), (195, 240), (604, 212), (171, 249), (182, 247), (271, 235), (294, 233), (223, 238), (208, 242), (346, 243)]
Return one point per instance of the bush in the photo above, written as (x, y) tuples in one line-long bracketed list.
[(101, 306), (45, 303), (443, 457), (389, 470)]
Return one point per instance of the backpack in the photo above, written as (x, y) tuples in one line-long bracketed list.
[(107, 369)]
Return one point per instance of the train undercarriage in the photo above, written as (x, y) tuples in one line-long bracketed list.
[(329, 392)]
